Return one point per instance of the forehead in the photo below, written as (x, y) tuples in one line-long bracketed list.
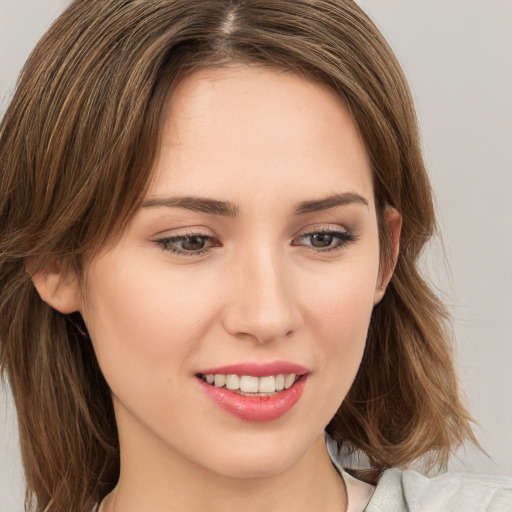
[(262, 129)]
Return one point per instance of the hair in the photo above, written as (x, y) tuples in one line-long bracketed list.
[(77, 146)]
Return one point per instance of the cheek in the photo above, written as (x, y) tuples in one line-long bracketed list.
[(340, 314), (140, 322), (342, 298)]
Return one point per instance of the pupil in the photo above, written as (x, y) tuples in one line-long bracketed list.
[(322, 240), (193, 243)]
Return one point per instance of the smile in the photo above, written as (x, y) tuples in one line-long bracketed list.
[(250, 385), (256, 392)]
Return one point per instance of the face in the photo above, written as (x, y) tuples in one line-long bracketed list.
[(255, 255)]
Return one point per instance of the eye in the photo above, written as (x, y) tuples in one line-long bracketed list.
[(325, 240), (322, 240), (188, 245)]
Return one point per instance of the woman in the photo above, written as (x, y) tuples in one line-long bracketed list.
[(211, 213)]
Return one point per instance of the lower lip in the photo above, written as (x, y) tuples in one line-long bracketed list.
[(255, 408)]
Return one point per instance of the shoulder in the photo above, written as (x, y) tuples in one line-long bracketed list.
[(408, 491)]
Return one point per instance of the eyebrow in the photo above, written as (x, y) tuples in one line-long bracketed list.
[(330, 202), (227, 209), (196, 204)]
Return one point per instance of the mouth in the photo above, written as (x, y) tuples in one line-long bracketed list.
[(250, 385), (255, 392)]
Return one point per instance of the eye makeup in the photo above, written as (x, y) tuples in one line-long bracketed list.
[(320, 240), (190, 244), (325, 239)]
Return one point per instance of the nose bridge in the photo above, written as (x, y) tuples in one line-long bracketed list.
[(263, 303)]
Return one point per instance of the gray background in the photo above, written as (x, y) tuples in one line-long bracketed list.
[(458, 57)]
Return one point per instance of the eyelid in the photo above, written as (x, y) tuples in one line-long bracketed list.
[(170, 243), (322, 228), (166, 242), (344, 237), (185, 231)]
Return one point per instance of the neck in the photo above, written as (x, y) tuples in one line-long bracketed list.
[(151, 481)]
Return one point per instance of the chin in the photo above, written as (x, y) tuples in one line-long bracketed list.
[(260, 456)]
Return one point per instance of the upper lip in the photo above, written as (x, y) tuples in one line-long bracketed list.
[(258, 369)]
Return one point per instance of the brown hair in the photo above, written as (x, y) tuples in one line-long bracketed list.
[(76, 151)]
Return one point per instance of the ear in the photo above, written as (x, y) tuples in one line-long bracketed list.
[(393, 222), (56, 287)]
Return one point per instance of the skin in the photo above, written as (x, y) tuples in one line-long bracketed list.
[(264, 141)]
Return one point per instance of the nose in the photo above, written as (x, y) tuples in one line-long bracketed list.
[(262, 303)]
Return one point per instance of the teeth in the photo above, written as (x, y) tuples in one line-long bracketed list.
[(251, 384), (267, 384), (233, 382), (219, 380), (288, 382)]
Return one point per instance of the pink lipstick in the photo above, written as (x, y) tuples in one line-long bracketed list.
[(256, 392)]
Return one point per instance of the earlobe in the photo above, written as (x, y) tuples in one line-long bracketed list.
[(60, 291), (393, 220)]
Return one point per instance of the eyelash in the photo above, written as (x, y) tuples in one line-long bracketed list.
[(344, 238), (166, 244)]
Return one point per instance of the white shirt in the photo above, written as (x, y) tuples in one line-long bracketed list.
[(409, 491)]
